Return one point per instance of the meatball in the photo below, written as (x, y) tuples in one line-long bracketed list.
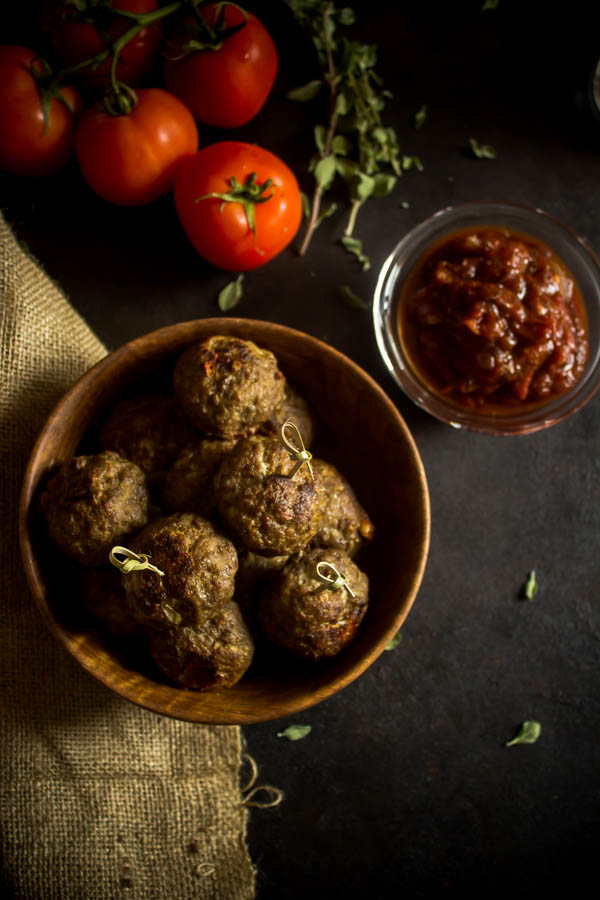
[(188, 485), (104, 597), (307, 618), (216, 653), (149, 430), (227, 387), (343, 523), (93, 503), (267, 510), (295, 408), (199, 568)]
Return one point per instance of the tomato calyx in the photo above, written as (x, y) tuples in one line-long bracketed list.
[(120, 99), (48, 88), (209, 34), (249, 194)]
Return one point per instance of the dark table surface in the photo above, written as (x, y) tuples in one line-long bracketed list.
[(404, 783)]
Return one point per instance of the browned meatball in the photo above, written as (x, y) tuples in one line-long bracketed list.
[(298, 614), (227, 386), (199, 568), (149, 430), (188, 485), (295, 408), (343, 524), (93, 503), (216, 653), (267, 510), (104, 597)]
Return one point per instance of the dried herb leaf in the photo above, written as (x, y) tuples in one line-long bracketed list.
[(404, 204), (326, 213), (306, 92), (530, 588), (320, 133), (411, 162), (394, 641), (384, 184), (325, 171), (528, 733), (420, 117), (231, 294), (489, 4), (482, 151), (354, 246), (295, 732), (353, 299)]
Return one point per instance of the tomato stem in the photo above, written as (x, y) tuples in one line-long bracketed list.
[(248, 194)]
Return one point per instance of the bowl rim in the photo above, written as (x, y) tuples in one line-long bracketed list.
[(132, 350), (528, 421)]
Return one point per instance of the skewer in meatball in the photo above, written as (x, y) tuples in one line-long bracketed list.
[(308, 617), (267, 510), (198, 566)]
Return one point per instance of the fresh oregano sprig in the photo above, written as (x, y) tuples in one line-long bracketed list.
[(354, 143)]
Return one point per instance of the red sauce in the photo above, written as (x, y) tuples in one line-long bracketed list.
[(493, 319)]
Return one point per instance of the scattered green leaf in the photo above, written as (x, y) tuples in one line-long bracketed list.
[(489, 4), (231, 294), (306, 92), (482, 151), (530, 588), (354, 246), (353, 299), (528, 733), (404, 204), (394, 641), (295, 732), (325, 171), (420, 117), (384, 184), (411, 162)]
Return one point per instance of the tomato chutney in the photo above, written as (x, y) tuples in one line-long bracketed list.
[(493, 319)]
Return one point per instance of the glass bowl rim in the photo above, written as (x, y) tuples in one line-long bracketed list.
[(393, 272)]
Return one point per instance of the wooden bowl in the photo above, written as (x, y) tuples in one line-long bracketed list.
[(366, 438)]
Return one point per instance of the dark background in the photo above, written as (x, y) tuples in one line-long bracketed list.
[(404, 783)]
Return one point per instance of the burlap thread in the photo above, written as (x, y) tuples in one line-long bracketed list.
[(98, 799)]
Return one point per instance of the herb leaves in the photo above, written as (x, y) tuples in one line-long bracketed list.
[(354, 145), (528, 733)]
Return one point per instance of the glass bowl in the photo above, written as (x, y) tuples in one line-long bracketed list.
[(527, 221)]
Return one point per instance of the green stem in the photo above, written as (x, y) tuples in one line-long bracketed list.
[(356, 205), (318, 192)]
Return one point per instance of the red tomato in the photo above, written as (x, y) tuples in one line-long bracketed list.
[(131, 159), (29, 146), (220, 230), (75, 40), (228, 86)]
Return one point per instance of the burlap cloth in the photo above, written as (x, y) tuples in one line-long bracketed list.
[(98, 799)]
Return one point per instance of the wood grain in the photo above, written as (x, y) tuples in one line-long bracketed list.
[(368, 441)]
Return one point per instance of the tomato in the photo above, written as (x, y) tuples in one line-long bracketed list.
[(29, 145), (220, 229), (225, 87), (75, 40), (131, 159)]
